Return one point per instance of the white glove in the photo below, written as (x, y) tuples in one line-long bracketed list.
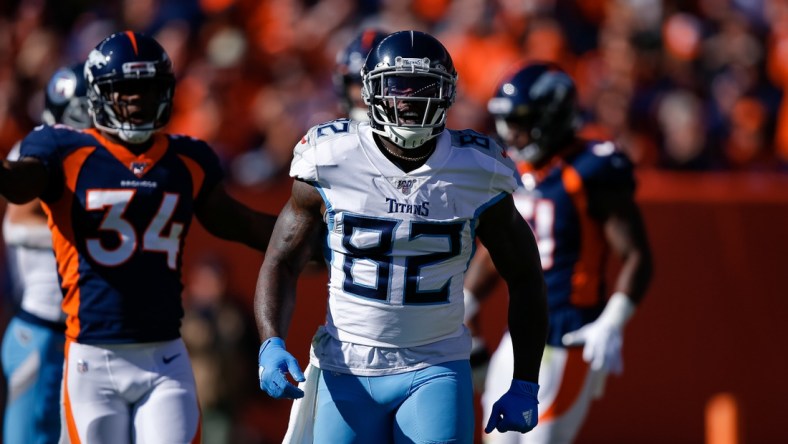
[(471, 305), (603, 338)]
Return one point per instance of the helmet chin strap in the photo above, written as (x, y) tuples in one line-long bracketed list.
[(134, 136), (409, 138)]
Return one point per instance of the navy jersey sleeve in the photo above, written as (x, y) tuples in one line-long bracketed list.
[(42, 144), (205, 158)]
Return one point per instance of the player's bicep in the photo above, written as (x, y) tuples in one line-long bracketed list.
[(509, 240), (297, 227)]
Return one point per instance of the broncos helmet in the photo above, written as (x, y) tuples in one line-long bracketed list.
[(66, 99), (128, 64), (539, 99), (347, 71), (409, 84)]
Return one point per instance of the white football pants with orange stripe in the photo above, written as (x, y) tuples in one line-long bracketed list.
[(566, 388), (129, 393)]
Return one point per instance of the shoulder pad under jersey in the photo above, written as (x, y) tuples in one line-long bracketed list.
[(603, 163), (315, 148)]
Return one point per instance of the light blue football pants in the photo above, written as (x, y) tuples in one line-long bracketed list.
[(431, 405), (33, 366)]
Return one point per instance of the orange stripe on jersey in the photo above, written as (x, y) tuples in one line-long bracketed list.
[(571, 385), (133, 40), (68, 410), (139, 164), (593, 249), (198, 435), (63, 241), (198, 175)]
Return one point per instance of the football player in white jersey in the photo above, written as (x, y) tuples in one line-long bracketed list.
[(403, 200), (33, 342)]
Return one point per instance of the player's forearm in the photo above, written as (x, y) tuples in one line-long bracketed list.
[(528, 327), (253, 228), (635, 275), (274, 300)]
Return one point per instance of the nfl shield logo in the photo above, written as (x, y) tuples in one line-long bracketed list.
[(138, 168), (82, 366), (405, 184)]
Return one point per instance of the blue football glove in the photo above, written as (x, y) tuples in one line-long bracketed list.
[(274, 363), (516, 410)]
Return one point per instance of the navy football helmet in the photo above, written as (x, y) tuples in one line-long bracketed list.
[(66, 99), (130, 86), (347, 72), (540, 100), (409, 84)]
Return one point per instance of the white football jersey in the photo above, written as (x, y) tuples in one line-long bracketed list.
[(400, 242)]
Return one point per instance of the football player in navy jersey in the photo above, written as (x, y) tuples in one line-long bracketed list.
[(347, 73), (120, 200), (578, 197), (403, 200), (33, 342)]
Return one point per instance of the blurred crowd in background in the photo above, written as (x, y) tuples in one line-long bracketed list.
[(680, 85)]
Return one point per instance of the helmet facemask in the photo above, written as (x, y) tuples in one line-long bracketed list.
[(132, 106), (408, 101)]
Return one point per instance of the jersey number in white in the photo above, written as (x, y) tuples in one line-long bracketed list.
[(115, 202), (540, 214)]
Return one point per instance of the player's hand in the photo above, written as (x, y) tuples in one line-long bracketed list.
[(603, 338), (601, 345), (516, 410), (274, 363)]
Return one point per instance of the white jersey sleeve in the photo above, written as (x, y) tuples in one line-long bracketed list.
[(400, 242)]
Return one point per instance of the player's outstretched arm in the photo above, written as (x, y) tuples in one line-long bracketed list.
[(602, 339), (513, 250), (22, 181), (225, 217), (289, 249)]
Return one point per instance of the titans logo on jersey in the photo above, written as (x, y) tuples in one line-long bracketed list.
[(118, 223), (399, 242), (559, 202)]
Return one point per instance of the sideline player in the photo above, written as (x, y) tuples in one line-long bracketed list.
[(578, 197), (403, 200), (120, 200), (33, 341), (347, 73)]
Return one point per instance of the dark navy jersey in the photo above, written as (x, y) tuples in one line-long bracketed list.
[(561, 203), (118, 223)]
